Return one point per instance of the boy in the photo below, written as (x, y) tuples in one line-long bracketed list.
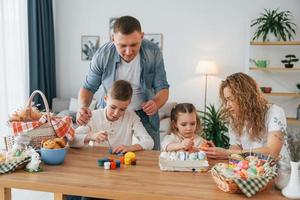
[(115, 124)]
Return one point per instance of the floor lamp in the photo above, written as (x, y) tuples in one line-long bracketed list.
[(206, 67)]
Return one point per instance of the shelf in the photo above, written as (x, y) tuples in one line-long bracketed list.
[(292, 121), (283, 94), (275, 69), (275, 43)]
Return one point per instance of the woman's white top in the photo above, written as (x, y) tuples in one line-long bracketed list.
[(275, 121), (173, 138), (119, 132)]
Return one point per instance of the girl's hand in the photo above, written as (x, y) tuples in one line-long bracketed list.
[(187, 143), (206, 144), (216, 152)]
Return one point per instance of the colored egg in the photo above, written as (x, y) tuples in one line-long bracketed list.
[(201, 155), (244, 164)]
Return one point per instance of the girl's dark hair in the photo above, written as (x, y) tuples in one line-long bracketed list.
[(127, 25), (184, 108), (121, 90)]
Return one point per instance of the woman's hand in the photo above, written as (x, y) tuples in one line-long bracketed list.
[(216, 152)]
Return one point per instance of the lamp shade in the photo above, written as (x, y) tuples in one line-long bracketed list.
[(207, 67)]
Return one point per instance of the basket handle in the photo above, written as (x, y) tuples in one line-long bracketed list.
[(45, 103)]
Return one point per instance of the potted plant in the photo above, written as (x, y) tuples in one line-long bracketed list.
[(288, 62), (214, 126), (274, 25)]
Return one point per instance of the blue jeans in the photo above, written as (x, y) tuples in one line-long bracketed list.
[(152, 127)]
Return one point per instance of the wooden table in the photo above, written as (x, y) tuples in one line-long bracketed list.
[(80, 175)]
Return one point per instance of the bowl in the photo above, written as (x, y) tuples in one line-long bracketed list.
[(53, 156)]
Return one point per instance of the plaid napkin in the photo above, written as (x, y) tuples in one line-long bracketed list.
[(63, 126), (253, 185), (10, 167)]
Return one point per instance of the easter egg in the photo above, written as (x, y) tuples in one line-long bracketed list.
[(244, 164), (201, 155)]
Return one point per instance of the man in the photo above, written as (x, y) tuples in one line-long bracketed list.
[(130, 58)]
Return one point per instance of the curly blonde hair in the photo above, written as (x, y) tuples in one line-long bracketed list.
[(252, 105)]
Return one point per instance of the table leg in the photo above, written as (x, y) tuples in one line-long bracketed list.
[(58, 196), (5, 193)]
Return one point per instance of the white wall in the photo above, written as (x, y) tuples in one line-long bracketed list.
[(192, 30)]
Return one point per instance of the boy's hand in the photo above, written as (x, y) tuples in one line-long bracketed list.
[(123, 149), (98, 137), (83, 116), (187, 143)]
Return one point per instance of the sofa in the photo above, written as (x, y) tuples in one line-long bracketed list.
[(63, 107)]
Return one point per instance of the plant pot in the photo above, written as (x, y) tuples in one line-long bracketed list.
[(272, 38), (288, 65)]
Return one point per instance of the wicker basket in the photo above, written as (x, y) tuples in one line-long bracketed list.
[(229, 185), (37, 135)]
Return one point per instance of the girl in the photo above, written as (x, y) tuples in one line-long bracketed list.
[(255, 125), (185, 124)]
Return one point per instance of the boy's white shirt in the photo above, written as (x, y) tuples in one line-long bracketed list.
[(119, 132), (173, 138)]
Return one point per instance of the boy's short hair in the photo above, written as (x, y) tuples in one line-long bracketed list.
[(121, 90), (127, 25)]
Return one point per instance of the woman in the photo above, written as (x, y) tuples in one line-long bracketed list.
[(254, 124)]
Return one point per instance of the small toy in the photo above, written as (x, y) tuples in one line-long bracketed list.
[(113, 165), (34, 164), (122, 159), (133, 161), (118, 163), (127, 161), (106, 165), (130, 155)]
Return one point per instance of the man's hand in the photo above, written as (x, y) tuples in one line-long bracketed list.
[(83, 116), (150, 107)]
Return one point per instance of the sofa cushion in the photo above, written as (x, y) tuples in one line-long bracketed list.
[(73, 106), (165, 111)]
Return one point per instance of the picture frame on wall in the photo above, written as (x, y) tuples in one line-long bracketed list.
[(89, 45), (156, 38), (111, 26)]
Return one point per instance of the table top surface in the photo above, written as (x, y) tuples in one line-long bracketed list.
[(80, 175)]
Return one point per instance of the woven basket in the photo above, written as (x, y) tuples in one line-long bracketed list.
[(37, 135), (228, 185)]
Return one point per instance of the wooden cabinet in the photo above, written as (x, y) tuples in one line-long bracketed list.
[(280, 72)]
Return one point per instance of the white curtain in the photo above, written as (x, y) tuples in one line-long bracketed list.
[(14, 67)]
